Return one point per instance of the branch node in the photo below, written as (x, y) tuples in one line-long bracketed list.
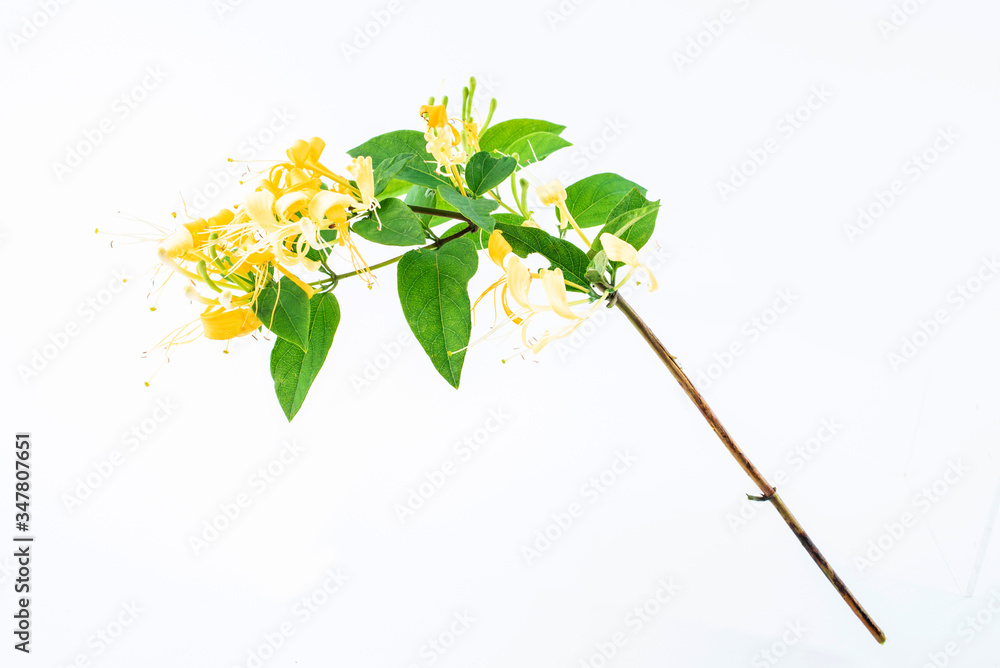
[(765, 497)]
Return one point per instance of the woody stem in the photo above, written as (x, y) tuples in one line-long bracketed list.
[(470, 227), (767, 491)]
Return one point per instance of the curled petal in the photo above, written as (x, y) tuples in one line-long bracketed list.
[(618, 250), (518, 282), (555, 293), (291, 203), (331, 205), (298, 152), (178, 243), (260, 208), (622, 251), (316, 146), (498, 248), (220, 324), (222, 218), (437, 116)]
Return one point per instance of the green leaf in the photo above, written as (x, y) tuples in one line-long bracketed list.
[(284, 309), (433, 291), (561, 253), (632, 220), (396, 188), (392, 144), (400, 226), (426, 197), (508, 218), (476, 210), (502, 135), (536, 147), (294, 370), (387, 170), (590, 200), (422, 196), (598, 268), (483, 172)]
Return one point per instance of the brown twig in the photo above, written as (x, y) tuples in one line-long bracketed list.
[(768, 492)]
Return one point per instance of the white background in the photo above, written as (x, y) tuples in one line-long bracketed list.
[(609, 72)]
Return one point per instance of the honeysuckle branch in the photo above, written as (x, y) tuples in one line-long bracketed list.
[(768, 493), (233, 259)]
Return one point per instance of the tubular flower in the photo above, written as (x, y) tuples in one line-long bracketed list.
[(472, 132), (554, 193), (361, 169), (497, 249), (303, 159), (444, 142), (619, 250), (330, 210)]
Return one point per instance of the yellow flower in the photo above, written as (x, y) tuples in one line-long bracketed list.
[(619, 250), (497, 249), (361, 169), (305, 156), (553, 193), (184, 239), (435, 114), (329, 209), (472, 132), (444, 143)]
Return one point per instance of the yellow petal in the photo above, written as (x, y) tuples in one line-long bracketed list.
[(316, 146), (298, 152), (551, 192), (291, 203), (437, 116), (221, 219), (618, 250), (331, 205), (652, 279), (259, 257), (260, 208), (518, 281), (555, 292), (498, 248), (221, 325), (178, 243), (361, 169)]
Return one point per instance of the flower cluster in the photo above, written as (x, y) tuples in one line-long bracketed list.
[(299, 212)]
